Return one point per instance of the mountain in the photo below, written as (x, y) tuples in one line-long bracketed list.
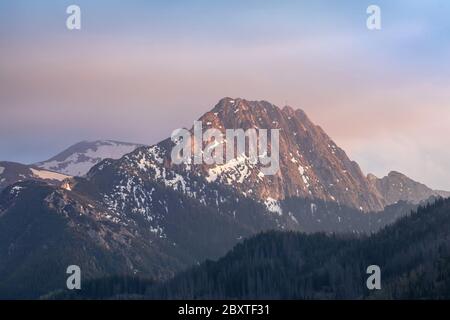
[(79, 158), (311, 164), (44, 229), (145, 215), (316, 189), (11, 172), (413, 256), (398, 187), (74, 161)]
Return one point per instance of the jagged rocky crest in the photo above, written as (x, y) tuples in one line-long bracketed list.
[(311, 164), (396, 186)]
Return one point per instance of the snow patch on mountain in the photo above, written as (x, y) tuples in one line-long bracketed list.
[(273, 206), (48, 175), (78, 159), (15, 191), (235, 170)]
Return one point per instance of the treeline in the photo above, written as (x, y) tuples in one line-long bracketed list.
[(113, 287), (413, 254)]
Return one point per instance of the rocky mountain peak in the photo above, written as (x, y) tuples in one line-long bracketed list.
[(398, 187), (311, 165)]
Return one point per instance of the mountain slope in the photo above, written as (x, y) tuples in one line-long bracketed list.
[(44, 229), (80, 229), (143, 214), (312, 167), (311, 164), (11, 172), (74, 161), (306, 176), (79, 158), (413, 254), (398, 187)]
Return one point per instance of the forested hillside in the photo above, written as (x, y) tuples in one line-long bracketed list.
[(413, 254)]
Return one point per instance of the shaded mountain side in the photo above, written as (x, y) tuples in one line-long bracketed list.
[(413, 254), (330, 217), (45, 229), (397, 187)]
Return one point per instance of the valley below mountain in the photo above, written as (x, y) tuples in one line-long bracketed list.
[(413, 255)]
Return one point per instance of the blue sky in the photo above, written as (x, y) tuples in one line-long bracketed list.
[(139, 69)]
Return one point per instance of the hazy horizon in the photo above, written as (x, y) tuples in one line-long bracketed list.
[(135, 72)]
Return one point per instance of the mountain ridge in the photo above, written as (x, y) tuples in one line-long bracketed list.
[(79, 158), (170, 216), (312, 164), (76, 160), (13, 172), (396, 187)]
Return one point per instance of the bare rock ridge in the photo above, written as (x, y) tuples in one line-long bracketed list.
[(73, 161), (79, 158), (396, 186), (311, 164)]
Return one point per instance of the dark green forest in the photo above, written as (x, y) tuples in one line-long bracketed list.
[(413, 254)]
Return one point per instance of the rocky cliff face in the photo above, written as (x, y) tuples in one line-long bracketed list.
[(398, 187), (311, 164)]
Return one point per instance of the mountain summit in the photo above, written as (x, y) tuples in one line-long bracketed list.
[(311, 163), (397, 187)]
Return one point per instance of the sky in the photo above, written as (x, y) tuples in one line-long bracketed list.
[(139, 69)]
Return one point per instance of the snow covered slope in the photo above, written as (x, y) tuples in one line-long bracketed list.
[(78, 159), (12, 172)]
